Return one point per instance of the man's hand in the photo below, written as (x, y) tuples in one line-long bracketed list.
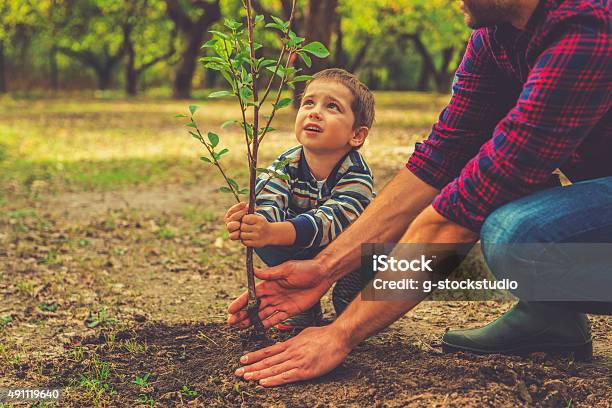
[(312, 353), (233, 219), (256, 231), (286, 290)]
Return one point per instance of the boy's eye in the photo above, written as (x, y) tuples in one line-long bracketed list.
[(307, 102), (334, 106)]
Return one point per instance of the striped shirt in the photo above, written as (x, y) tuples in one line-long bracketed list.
[(318, 215)]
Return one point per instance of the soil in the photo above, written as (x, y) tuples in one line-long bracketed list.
[(96, 295)]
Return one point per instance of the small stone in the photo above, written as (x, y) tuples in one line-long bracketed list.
[(140, 318)]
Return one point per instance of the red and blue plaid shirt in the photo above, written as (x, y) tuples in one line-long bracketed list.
[(524, 103)]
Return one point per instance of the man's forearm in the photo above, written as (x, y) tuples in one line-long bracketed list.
[(384, 220), (365, 318)]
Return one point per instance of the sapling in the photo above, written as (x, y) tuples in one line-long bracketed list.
[(253, 80)]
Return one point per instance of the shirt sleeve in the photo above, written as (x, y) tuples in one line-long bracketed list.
[(272, 199), (349, 198), (476, 105), (567, 92)]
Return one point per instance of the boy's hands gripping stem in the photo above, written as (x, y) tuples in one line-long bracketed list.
[(253, 230)]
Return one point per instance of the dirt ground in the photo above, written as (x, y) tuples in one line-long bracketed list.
[(119, 298)]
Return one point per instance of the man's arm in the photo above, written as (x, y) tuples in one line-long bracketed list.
[(317, 351)]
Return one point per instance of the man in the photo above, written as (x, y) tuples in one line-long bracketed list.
[(533, 94)]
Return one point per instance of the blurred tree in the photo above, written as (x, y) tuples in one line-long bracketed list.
[(315, 20), (146, 30), (89, 31), (19, 20), (192, 18), (434, 29)]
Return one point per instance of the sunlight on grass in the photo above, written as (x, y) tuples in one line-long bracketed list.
[(104, 143)]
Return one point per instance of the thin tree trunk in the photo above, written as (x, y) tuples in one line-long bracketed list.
[(186, 69), (131, 76), (2, 69), (53, 71), (320, 22)]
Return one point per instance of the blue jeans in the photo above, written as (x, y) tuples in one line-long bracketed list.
[(580, 214), (345, 290)]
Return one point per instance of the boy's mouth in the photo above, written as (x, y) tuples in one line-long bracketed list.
[(311, 127)]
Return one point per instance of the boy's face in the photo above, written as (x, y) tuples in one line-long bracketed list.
[(324, 122)]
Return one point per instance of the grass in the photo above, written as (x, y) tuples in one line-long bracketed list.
[(56, 144)]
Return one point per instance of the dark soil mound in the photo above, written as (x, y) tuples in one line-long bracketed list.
[(193, 364)]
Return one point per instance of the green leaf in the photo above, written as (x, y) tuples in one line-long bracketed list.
[(222, 152), (209, 43), (244, 191), (219, 34), (225, 190), (282, 176), (268, 130), (283, 103), (206, 159), (228, 123), (283, 24), (280, 71), (245, 93), (191, 124), (232, 24), (220, 94), (213, 138), (301, 78), (195, 135), (306, 58), (181, 115), (261, 170), (234, 184), (294, 40), (193, 108), (259, 18), (317, 49), (256, 46), (277, 26)]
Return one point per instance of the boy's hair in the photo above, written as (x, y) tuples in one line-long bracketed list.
[(363, 100)]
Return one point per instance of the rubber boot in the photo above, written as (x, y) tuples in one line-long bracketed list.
[(526, 328)]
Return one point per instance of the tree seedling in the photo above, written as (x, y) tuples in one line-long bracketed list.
[(253, 80)]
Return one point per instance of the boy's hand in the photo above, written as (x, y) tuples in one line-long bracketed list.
[(233, 218), (255, 231)]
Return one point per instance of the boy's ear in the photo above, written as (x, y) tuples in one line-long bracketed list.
[(359, 136)]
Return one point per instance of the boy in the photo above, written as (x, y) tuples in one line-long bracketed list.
[(329, 185)]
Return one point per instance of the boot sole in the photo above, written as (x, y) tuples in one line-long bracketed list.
[(581, 352)]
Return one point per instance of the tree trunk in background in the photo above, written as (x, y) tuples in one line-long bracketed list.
[(321, 19), (2, 69), (53, 71), (193, 32), (443, 77), (131, 75)]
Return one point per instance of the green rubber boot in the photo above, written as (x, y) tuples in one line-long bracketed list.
[(526, 328)]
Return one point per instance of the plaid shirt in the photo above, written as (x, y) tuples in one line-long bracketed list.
[(318, 215), (524, 103)]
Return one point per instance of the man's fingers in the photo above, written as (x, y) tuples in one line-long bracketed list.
[(275, 319), (252, 219), (234, 236), (263, 364), (255, 356), (271, 371), (277, 272), (238, 304), (289, 376)]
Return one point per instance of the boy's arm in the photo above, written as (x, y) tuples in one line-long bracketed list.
[(318, 227)]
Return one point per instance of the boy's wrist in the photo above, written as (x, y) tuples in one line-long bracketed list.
[(281, 233)]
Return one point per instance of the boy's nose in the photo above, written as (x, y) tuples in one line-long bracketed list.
[(314, 114)]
